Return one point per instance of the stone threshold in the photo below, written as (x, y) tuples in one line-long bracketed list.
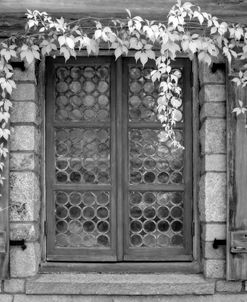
[(120, 284)]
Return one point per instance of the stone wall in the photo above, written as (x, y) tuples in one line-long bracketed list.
[(25, 187), (25, 211), (212, 192)]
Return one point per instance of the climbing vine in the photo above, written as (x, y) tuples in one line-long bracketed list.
[(148, 39)]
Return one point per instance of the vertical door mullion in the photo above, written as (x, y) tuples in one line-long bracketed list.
[(50, 157), (125, 160), (188, 155), (113, 155), (120, 162)]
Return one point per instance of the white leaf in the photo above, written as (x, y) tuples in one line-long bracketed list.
[(70, 42), (128, 12), (151, 54), (61, 40), (97, 34), (118, 52), (137, 55)]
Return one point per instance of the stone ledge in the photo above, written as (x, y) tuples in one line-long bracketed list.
[(189, 298), (120, 284)]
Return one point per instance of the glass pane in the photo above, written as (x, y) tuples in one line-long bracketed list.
[(155, 219), (82, 93), (82, 219), (153, 159), (143, 94), (82, 156)]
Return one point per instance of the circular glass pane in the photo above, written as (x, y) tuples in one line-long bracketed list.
[(177, 226), (163, 212), (149, 240), (149, 177), (62, 226), (135, 226), (61, 177), (135, 197), (75, 198), (75, 177), (103, 198), (88, 226), (103, 226), (61, 198), (103, 240), (163, 178), (135, 212), (88, 212), (75, 226), (163, 240), (74, 212), (149, 226), (176, 212), (149, 198), (61, 212), (136, 240), (102, 213), (149, 163), (135, 177), (89, 198), (163, 226), (149, 212)]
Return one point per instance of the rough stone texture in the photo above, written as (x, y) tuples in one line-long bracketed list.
[(120, 284), (228, 286), (212, 93), (213, 110), (24, 138), (213, 136), (216, 298), (48, 298), (24, 263), (24, 196), (210, 253), (214, 268), (6, 298), (24, 92), (207, 76), (212, 197), (27, 75), (24, 112), (23, 161), (14, 286), (214, 162), (26, 231), (211, 231), (188, 298)]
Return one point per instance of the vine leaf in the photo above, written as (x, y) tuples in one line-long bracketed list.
[(128, 12)]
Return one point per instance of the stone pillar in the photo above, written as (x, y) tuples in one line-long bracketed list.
[(212, 194), (25, 196)]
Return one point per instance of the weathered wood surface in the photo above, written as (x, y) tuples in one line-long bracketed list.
[(158, 7), (236, 184), (12, 12)]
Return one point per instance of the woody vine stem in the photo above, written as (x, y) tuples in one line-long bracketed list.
[(150, 40)]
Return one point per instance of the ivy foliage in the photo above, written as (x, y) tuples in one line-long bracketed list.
[(148, 39)]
